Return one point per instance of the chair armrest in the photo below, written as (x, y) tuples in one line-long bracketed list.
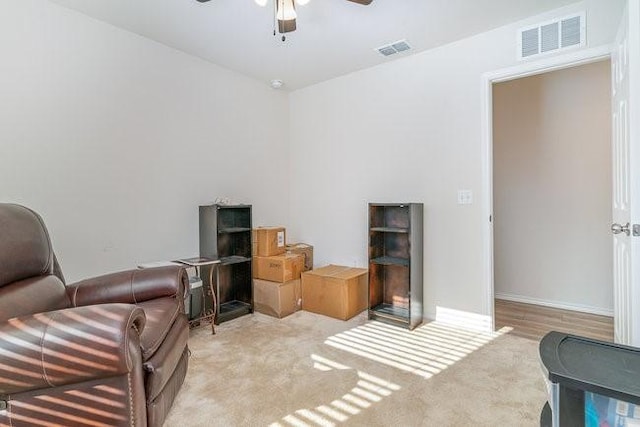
[(68, 346), (130, 287)]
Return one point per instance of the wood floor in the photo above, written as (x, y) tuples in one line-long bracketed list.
[(534, 321)]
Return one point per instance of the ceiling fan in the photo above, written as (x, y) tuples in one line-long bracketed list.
[(285, 12)]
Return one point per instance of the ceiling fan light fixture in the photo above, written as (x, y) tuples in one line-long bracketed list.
[(286, 16), (286, 26), (286, 10)]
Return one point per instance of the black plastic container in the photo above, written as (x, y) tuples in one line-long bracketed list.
[(590, 382)]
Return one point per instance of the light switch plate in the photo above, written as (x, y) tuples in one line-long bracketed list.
[(465, 197)]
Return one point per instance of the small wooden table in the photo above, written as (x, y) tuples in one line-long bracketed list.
[(205, 315)]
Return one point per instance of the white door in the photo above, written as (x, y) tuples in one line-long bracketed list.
[(625, 62)]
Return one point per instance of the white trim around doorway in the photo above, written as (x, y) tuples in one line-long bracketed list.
[(559, 62)]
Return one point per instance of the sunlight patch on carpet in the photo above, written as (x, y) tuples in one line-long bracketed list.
[(368, 391), (425, 351)]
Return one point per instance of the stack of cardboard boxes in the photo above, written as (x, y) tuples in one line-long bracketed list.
[(276, 272), (284, 280)]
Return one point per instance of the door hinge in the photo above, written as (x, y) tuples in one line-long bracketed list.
[(636, 230)]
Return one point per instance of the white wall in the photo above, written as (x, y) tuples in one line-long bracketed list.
[(115, 140), (408, 130), (552, 188)]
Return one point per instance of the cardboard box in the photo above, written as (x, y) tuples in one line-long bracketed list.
[(277, 299), (335, 291), (278, 268), (270, 241), (303, 249)]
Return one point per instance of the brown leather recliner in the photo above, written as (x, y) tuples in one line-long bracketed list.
[(105, 351)]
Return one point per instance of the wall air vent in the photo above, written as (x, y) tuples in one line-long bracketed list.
[(552, 36), (393, 48)]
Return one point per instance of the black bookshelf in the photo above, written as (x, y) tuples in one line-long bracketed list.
[(395, 263), (225, 234)]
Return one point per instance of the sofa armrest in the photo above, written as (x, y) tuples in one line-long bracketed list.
[(130, 287), (68, 346)]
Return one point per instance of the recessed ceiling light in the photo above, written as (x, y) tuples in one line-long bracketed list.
[(277, 83)]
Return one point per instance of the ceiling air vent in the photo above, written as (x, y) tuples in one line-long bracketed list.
[(530, 42), (571, 31), (393, 48), (552, 36), (549, 39)]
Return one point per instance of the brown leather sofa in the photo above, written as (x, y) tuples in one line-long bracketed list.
[(105, 351)]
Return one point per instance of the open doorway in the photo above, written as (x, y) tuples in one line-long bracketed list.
[(552, 261)]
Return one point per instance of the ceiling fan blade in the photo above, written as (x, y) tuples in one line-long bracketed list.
[(362, 2)]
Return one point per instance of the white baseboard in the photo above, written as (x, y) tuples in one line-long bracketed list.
[(555, 304), (428, 317), (459, 319)]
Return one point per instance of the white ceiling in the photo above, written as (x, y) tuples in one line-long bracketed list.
[(334, 37)]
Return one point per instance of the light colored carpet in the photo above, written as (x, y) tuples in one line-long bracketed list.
[(311, 370)]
